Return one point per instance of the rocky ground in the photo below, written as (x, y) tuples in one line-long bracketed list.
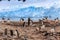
[(29, 33)]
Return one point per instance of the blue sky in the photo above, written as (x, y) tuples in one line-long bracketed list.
[(14, 5)]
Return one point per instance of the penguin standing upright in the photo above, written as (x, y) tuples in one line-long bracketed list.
[(17, 33), (11, 32), (8, 20), (28, 21), (5, 32), (3, 20)]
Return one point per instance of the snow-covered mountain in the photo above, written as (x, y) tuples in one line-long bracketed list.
[(32, 12)]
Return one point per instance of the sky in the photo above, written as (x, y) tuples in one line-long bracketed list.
[(15, 5)]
